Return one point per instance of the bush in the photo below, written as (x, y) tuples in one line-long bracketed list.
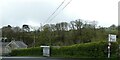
[(94, 49), (86, 50), (27, 52)]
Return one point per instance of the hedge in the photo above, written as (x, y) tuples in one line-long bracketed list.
[(27, 52), (86, 50), (89, 50)]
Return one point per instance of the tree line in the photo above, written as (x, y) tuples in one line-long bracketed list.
[(60, 34)]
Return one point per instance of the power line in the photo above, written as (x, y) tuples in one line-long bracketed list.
[(55, 10), (66, 5), (61, 10)]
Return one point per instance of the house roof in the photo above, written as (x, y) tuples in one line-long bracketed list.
[(20, 44)]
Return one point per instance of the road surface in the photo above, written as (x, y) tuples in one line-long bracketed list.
[(51, 58), (36, 58)]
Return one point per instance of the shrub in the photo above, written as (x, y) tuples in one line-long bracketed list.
[(94, 49), (86, 50), (27, 52)]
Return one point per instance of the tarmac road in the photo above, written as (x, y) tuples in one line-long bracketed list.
[(36, 58), (52, 58)]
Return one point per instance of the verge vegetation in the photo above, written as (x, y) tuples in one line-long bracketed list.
[(85, 50)]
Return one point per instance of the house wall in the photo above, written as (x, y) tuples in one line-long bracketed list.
[(5, 50), (13, 46), (0, 51)]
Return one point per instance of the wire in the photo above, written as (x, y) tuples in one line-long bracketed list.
[(55, 11), (66, 4), (61, 10)]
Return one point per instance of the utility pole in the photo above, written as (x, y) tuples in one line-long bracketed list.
[(34, 38), (40, 26), (34, 41)]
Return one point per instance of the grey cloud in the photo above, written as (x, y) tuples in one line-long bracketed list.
[(17, 13)]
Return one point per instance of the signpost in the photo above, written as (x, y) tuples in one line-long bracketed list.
[(111, 38)]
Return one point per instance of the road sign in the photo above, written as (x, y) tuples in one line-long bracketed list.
[(112, 38)]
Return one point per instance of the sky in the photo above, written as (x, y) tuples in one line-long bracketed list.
[(36, 12)]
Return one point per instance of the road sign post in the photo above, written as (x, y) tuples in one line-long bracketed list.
[(109, 44), (111, 38)]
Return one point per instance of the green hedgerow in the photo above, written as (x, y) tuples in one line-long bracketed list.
[(84, 50)]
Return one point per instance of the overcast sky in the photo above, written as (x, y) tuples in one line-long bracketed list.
[(34, 12)]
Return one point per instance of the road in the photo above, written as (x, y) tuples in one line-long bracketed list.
[(51, 58), (36, 58)]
